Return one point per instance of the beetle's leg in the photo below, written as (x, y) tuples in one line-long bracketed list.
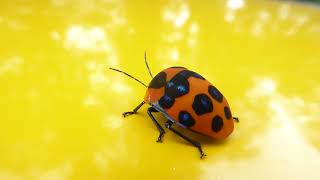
[(236, 119), (195, 143), (161, 130), (125, 114)]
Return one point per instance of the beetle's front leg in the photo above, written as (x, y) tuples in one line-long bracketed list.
[(236, 119), (125, 114), (161, 130)]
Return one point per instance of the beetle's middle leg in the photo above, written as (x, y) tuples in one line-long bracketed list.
[(161, 130), (125, 114)]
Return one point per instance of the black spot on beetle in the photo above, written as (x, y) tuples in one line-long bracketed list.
[(187, 74), (166, 102), (215, 93), (196, 75), (177, 86), (158, 81), (227, 112), (202, 104), (186, 119), (217, 124)]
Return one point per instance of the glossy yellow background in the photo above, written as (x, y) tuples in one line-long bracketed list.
[(60, 107)]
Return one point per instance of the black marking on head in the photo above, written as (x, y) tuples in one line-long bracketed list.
[(202, 104), (217, 124), (177, 86), (186, 119), (215, 93), (166, 102), (227, 112), (187, 74), (158, 81)]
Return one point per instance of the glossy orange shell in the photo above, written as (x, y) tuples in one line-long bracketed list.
[(203, 123)]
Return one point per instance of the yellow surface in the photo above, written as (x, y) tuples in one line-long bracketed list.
[(61, 108)]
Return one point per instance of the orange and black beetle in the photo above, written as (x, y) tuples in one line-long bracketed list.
[(187, 99)]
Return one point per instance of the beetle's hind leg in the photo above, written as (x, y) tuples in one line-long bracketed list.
[(125, 114), (195, 143), (161, 130)]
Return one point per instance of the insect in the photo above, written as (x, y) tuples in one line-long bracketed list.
[(188, 100)]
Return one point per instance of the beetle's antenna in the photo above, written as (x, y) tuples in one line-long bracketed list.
[(145, 60), (130, 76)]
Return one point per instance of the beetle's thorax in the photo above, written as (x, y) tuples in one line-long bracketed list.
[(157, 85)]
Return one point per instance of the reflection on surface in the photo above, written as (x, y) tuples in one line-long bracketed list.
[(86, 39), (235, 4), (61, 107), (13, 65), (283, 147), (177, 15)]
